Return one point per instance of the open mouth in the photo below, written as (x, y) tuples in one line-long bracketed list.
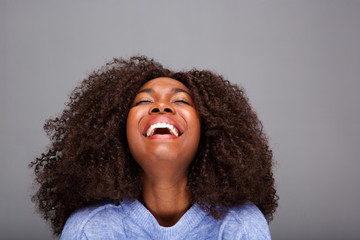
[(162, 129)]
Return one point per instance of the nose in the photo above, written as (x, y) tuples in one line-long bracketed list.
[(161, 108)]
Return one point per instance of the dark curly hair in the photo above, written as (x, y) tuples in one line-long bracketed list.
[(88, 159)]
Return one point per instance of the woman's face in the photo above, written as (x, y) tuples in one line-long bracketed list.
[(163, 127)]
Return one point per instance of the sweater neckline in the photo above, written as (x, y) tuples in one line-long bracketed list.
[(144, 218)]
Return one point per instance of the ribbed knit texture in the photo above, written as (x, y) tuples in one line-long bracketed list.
[(131, 220)]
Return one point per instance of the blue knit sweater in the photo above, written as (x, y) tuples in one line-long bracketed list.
[(131, 220)]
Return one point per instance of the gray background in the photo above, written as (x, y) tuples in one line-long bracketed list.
[(298, 60)]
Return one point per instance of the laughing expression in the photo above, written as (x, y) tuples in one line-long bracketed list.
[(163, 126)]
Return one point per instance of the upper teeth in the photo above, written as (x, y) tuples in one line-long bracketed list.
[(171, 128)]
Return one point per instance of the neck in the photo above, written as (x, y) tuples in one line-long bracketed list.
[(167, 200)]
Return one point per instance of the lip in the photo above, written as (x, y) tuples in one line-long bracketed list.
[(162, 136), (163, 119)]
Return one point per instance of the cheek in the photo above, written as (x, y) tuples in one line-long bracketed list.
[(194, 129), (132, 125), (134, 135), (193, 120)]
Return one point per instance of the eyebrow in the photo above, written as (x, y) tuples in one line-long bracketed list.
[(175, 90)]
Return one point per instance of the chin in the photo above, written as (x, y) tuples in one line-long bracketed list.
[(164, 154)]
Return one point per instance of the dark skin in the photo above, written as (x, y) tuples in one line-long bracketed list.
[(88, 158), (164, 158)]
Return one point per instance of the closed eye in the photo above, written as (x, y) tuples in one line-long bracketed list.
[(142, 101), (182, 101)]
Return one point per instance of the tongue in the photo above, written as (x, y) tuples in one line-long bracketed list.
[(162, 131)]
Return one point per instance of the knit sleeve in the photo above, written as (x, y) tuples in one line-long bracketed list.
[(74, 226), (73, 229), (245, 223)]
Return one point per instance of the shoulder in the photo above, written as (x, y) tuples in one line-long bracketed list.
[(245, 221), (83, 222)]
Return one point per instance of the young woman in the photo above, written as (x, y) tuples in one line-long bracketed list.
[(141, 152)]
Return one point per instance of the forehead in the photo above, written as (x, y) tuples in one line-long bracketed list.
[(164, 83)]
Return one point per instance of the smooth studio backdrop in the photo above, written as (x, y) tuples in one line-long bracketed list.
[(298, 60)]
